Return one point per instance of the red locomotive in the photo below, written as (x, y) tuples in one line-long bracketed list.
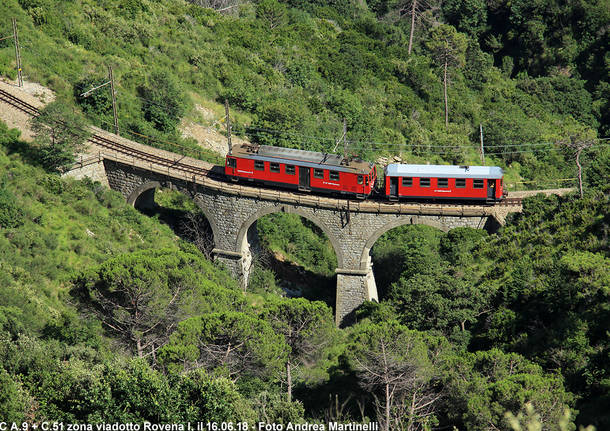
[(302, 170), (480, 183), (334, 174)]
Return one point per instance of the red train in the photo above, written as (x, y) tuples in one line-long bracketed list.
[(441, 182), (302, 170), (334, 174)]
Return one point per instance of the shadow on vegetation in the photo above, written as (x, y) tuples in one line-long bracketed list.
[(296, 281), (187, 225), (27, 151)]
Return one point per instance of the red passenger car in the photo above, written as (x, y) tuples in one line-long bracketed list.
[(302, 170), (479, 183)]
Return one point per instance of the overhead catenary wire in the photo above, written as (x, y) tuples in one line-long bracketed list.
[(444, 150), (354, 144)]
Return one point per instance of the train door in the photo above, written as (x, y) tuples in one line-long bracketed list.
[(491, 189), (231, 168), (304, 174), (394, 187)]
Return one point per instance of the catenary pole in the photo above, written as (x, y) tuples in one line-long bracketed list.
[(17, 53), (114, 110), (228, 120), (482, 149)]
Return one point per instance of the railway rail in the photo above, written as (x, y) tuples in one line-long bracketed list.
[(188, 169), (103, 142)]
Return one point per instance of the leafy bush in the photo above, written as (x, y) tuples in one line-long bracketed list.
[(11, 213)]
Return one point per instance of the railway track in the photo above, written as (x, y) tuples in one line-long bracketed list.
[(110, 144), (18, 103), (148, 157)]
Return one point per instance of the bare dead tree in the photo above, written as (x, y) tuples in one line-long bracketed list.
[(417, 11), (196, 229), (578, 144), (217, 5), (449, 50), (399, 383)]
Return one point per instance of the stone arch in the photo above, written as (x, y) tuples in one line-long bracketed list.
[(366, 252), (208, 215), (147, 190), (243, 231)]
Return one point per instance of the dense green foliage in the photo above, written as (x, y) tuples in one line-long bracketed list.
[(59, 133), (469, 326), (460, 320), (142, 296), (295, 69), (57, 364), (538, 288), (300, 240)]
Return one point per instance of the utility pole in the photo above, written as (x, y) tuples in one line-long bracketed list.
[(17, 53), (342, 138), (482, 149), (114, 111), (113, 94), (228, 127)]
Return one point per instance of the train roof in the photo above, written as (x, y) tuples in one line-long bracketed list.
[(443, 171), (311, 159)]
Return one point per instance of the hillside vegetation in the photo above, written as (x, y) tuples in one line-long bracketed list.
[(531, 74), (106, 316), (481, 324)]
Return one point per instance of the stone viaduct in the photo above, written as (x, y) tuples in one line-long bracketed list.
[(352, 226)]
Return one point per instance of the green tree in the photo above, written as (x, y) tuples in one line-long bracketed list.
[(11, 213), (483, 386), (232, 343), (163, 101), (211, 399), (469, 16), (14, 400), (97, 103), (448, 302), (306, 327), (396, 366), (272, 407), (272, 12), (143, 295), (59, 133), (139, 393), (449, 50)]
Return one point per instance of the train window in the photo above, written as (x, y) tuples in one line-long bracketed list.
[(360, 179), (274, 167), (407, 182), (290, 170), (232, 163), (424, 182), (460, 183), (334, 176), (259, 165), (478, 184), (318, 173), (443, 183)]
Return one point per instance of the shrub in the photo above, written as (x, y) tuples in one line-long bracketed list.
[(11, 215)]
